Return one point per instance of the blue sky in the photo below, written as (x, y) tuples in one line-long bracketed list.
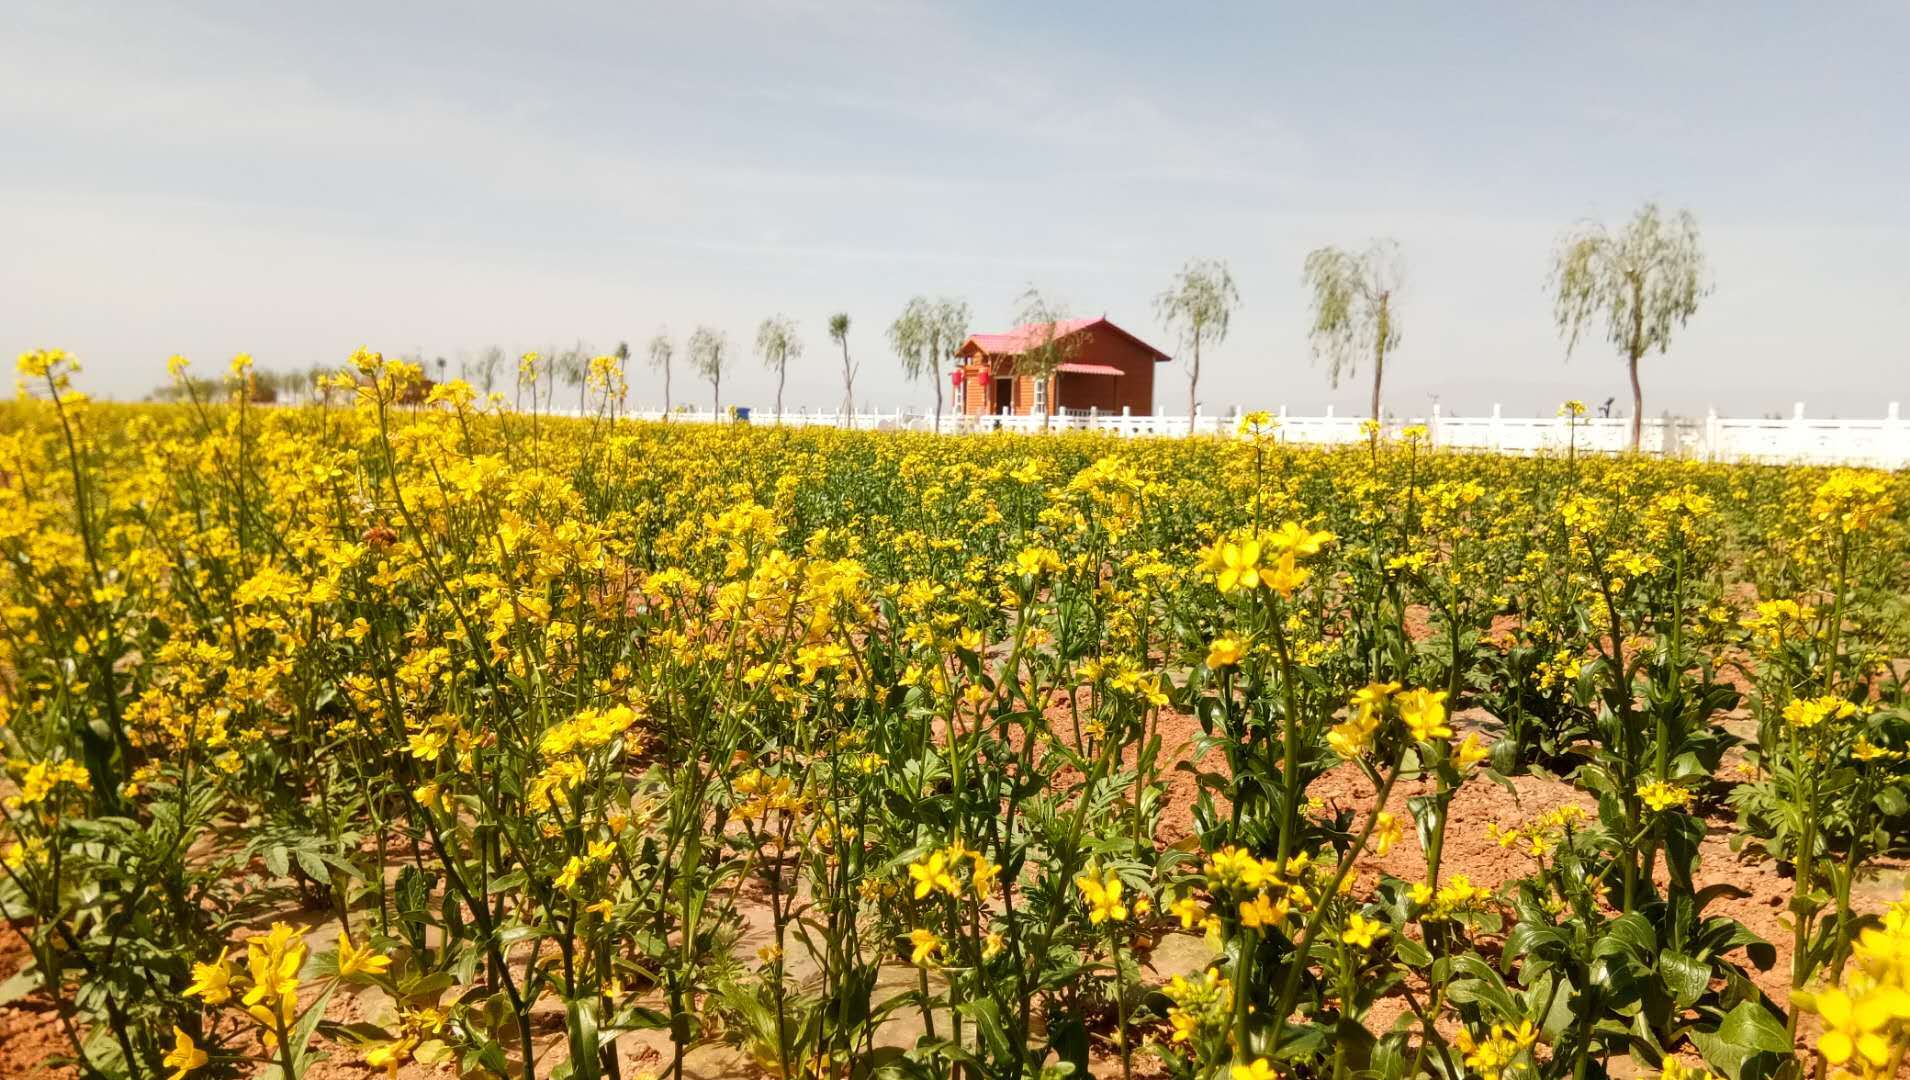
[(296, 180)]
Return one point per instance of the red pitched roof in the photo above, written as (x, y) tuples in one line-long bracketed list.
[(1022, 338)]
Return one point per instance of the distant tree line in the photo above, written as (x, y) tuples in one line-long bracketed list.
[(1636, 285)]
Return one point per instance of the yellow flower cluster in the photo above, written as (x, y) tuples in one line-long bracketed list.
[(1102, 892), (1363, 932), (1457, 896), (1237, 564), (588, 730), (41, 779), (955, 871), (1852, 500), (1538, 837), (1264, 892), (1774, 622), (758, 793), (1867, 1017), (273, 962), (1423, 712), (1493, 1055), (1660, 796), (1203, 1007), (1807, 713)]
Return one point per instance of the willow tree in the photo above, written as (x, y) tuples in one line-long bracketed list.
[(909, 338), (484, 369), (926, 334), (622, 353), (777, 344), (839, 333), (1198, 306), (661, 350), (573, 367), (1044, 346), (1645, 281), (951, 330), (1354, 309), (709, 355)]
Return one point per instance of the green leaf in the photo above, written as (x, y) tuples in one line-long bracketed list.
[(1685, 977), (307, 1024), (22, 983), (1411, 952), (1628, 933), (1748, 1045), (581, 1018), (988, 1024), (1683, 834), (313, 864)]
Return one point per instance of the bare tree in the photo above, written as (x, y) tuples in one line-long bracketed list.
[(709, 355), (1198, 306), (839, 333), (1645, 281), (661, 350), (1354, 311), (1046, 348), (777, 344)]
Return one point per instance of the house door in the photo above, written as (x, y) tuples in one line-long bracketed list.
[(1004, 397)]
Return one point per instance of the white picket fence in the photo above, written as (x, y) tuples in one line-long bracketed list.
[(1883, 442)]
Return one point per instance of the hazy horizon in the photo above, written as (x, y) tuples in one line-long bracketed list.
[(210, 178)]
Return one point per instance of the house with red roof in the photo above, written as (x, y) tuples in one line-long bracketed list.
[(1103, 369)]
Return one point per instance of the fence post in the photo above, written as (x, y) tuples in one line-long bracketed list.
[(1492, 430), (1797, 430), (1193, 422), (1127, 421), (1711, 435), (1432, 428), (1283, 422)]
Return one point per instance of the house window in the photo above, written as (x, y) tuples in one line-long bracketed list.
[(1041, 396)]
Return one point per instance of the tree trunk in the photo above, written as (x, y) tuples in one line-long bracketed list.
[(1637, 404), (848, 386), (1632, 353), (716, 396), (1379, 350), (1193, 384), (782, 375), (666, 391), (935, 372), (1379, 369)]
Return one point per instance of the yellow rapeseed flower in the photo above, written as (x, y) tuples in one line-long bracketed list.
[(1103, 897), (1424, 712), (184, 1056)]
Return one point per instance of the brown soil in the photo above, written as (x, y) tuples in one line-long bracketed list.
[(30, 1034)]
